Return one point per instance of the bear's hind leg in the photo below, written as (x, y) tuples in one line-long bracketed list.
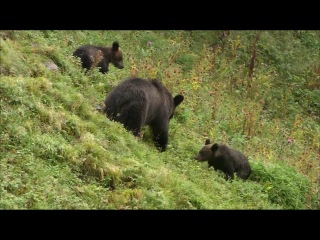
[(133, 124), (86, 62), (103, 67)]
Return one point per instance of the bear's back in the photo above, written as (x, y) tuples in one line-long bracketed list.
[(234, 158), (138, 85), (89, 50), (134, 91), (240, 161)]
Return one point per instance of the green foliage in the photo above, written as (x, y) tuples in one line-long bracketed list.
[(283, 184), (58, 151), (187, 61)]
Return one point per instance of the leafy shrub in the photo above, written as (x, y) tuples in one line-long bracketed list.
[(283, 184)]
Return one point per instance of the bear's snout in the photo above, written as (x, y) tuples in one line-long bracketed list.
[(119, 65), (200, 158)]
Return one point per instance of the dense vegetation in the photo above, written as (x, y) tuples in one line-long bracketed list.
[(256, 91)]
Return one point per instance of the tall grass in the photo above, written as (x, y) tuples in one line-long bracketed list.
[(257, 94)]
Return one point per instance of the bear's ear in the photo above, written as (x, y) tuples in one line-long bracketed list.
[(178, 99), (115, 46), (207, 142), (214, 147)]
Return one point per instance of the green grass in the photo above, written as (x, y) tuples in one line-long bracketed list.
[(57, 151)]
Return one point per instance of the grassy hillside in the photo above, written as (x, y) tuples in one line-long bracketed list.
[(256, 91)]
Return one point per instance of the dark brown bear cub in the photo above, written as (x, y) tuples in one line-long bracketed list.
[(227, 160), (136, 102), (95, 56)]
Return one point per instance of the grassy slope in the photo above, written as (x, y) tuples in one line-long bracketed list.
[(59, 152)]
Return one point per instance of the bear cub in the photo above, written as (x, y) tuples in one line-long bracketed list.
[(136, 102), (96, 56), (223, 158)]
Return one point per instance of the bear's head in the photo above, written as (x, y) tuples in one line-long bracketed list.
[(207, 151), (116, 55), (176, 102)]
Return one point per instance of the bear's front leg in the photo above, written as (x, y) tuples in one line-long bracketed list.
[(104, 68), (161, 141), (160, 129)]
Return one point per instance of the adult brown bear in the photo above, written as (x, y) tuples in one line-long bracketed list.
[(136, 102), (227, 160), (96, 56)]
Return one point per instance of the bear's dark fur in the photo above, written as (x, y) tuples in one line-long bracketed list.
[(136, 102), (227, 160), (95, 56)]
